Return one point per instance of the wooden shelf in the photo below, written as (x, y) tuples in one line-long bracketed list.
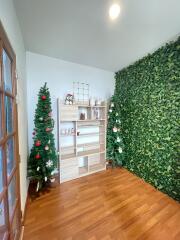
[(67, 156), (70, 135), (68, 147), (89, 126), (68, 120), (81, 159), (98, 106), (91, 120), (89, 152), (83, 170), (82, 153), (88, 134), (86, 120), (83, 106), (88, 144), (83, 145), (96, 167), (88, 106)]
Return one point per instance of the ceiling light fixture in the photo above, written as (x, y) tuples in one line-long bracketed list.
[(114, 11)]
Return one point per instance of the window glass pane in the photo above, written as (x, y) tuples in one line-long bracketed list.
[(7, 72), (0, 116), (9, 114), (16, 224), (1, 170), (12, 195), (10, 155), (2, 221)]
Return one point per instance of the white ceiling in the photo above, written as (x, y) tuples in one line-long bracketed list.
[(80, 31)]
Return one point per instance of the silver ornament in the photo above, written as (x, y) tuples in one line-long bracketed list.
[(37, 187), (120, 150), (118, 139)]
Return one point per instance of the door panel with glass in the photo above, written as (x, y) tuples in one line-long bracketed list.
[(10, 214)]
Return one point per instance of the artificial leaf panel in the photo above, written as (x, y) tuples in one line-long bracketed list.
[(149, 94)]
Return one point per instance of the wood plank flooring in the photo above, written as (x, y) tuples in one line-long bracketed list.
[(111, 205)]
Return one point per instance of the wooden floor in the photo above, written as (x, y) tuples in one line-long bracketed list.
[(113, 204)]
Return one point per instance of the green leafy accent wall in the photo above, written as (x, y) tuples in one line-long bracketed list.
[(148, 94)]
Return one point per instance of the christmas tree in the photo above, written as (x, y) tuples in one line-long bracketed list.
[(115, 146), (43, 157)]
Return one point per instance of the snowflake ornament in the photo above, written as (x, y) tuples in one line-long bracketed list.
[(112, 104), (110, 110), (49, 164)]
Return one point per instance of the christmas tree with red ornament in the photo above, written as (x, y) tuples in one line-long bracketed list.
[(42, 162)]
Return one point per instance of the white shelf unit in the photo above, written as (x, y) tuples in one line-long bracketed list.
[(81, 143)]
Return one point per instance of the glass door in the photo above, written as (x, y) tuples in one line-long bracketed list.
[(10, 214)]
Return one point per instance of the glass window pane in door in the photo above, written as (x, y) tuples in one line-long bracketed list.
[(1, 170), (12, 195), (1, 134), (2, 221), (10, 155), (15, 224), (7, 72), (9, 114)]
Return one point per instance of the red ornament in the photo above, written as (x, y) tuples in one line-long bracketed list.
[(38, 143), (38, 156), (43, 97)]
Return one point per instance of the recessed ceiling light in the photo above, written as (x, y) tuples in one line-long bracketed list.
[(114, 11)]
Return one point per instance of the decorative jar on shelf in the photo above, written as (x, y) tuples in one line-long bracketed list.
[(82, 116), (72, 131)]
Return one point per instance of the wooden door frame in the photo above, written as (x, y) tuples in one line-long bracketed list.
[(5, 44)]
